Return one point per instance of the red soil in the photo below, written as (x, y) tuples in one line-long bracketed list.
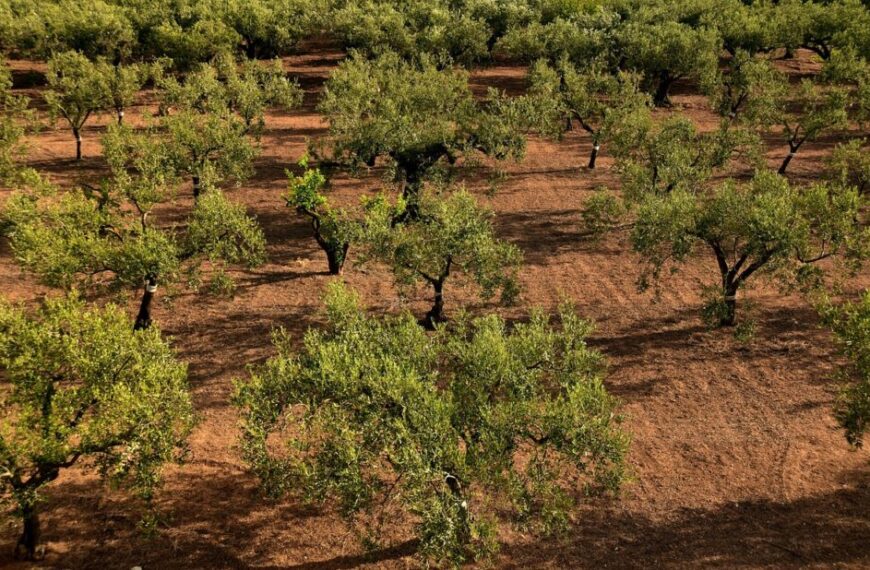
[(736, 459)]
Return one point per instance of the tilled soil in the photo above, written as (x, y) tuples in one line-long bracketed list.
[(736, 460)]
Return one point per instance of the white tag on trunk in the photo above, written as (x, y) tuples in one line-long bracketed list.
[(151, 288)]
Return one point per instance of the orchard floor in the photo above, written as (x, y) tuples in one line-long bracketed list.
[(736, 459)]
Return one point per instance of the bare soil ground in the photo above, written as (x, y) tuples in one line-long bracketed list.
[(736, 460)]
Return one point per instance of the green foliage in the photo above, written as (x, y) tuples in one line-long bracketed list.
[(674, 155), (765, 226), (415, 116), (209, 147), (665, 51), (599, 101), (849, 164), (851, 325), (83, 388), (245, 89), (333, 228), (453, 429), (581, 36), (76, 90), (807, 113), (223, 231), (123, 82), (15, 120), (95, 28), (452, 234), (411, 29), (107, 235), (749, 90)]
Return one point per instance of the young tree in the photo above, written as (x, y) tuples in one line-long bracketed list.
[(804, 117), (674, 155), (107, 237), (850, 323), (455, 429), (452, 234), (416, 117), (748, 91), (764, 226), (666, 51), (599, 101), (84, 389), (76, 90), (123, 83), (333, 229), (209, 147)]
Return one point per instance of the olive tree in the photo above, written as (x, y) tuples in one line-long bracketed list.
[(666, 51), (599, 101), (333, 228), (123, 82), (82, 388), (807, 114), (673, 154), (76, 90), (764, 226), (748, 91), (107, 237), (850, 323), (456, 431), (209, 147), (451, 235), (417, 117), (245, 89)]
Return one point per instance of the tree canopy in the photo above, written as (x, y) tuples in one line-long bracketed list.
[(85, 389), (449, 430)]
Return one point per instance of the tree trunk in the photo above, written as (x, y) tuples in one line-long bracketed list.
[(662, 94), (436, 313), (791, 154), (196, 189), (729, 317), (30, 534), (335, 257), (120, 116), (143, 319), (463, 532), (78, 137), (595, 148)]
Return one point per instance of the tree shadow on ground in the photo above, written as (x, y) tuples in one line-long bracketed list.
[(824, 530)]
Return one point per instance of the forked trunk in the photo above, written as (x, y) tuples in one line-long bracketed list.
[(143, 319), (30, 534)]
